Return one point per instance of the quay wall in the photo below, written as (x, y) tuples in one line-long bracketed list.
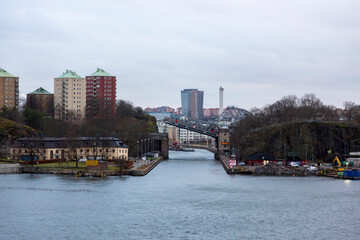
[(10, 169), (225, 165), (147, 169)]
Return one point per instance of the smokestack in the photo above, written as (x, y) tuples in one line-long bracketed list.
[(221, 100)]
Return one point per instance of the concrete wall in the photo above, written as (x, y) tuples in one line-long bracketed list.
[(10, 169)]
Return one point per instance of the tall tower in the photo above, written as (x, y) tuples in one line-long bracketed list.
[(221, 100), (192, 103), (9, 90), (100, 95), (69, 96)]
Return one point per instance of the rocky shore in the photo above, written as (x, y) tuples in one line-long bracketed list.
[(276, 170)]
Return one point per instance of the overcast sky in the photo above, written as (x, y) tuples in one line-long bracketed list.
[(258, 50)]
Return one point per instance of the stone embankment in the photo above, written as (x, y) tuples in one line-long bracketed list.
[(17, 169), (75, 172), (233, 170), (225, 163), (147, 169), (10, 169)]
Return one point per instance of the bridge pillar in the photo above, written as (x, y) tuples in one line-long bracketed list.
[(162, 143)]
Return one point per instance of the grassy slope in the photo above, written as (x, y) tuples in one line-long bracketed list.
[(14, 129)]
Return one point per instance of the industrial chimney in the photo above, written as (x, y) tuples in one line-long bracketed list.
[(221, 100)]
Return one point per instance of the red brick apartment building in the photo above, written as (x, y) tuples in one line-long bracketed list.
[(100, 95)]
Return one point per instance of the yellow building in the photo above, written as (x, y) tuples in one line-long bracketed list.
[(97, 148)]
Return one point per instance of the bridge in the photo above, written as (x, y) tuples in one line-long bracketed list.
[(202, 127), (217, 128), (198, 146)]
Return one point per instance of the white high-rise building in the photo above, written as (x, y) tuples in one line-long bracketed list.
[(69, 96)]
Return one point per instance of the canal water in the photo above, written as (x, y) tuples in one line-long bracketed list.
[(188, 196)]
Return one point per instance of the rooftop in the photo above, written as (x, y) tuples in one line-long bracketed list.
[(4, 73), (40, 91), (100, 72), (69, 74)]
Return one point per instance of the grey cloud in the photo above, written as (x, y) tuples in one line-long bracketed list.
[(258, 50)]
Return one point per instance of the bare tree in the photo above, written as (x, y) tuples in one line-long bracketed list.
[(30, 149), (351, 111), (310, 107), (58, 111)]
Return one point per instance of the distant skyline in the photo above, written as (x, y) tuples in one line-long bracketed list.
[(259, 51)]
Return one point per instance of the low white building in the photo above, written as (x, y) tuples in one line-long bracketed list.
[(354, 158)]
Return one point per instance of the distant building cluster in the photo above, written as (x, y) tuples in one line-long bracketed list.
[(191, 108), (211, 112), (74, 97), (162, 109)]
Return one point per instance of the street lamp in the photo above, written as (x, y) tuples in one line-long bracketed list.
[(137, 149), (141, 148), (148, 150)]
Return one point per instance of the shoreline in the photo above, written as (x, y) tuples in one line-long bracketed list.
[(267, 170), (8, 169)]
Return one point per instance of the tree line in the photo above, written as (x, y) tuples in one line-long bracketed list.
[(291, 109)]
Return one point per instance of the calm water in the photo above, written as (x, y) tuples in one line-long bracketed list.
[(187, 197)]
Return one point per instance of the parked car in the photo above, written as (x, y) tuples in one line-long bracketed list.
[(294, 164)]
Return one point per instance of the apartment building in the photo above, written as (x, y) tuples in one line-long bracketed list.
[(9, 90), (41, 100), (70, 96), (100, 95)]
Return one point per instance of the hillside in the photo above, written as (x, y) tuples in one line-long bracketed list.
[(317, 140), (13, 129)]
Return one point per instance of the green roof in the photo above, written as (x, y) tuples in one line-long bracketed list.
[(40, 91), (69, 74), (4, 73), (100, 72)]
